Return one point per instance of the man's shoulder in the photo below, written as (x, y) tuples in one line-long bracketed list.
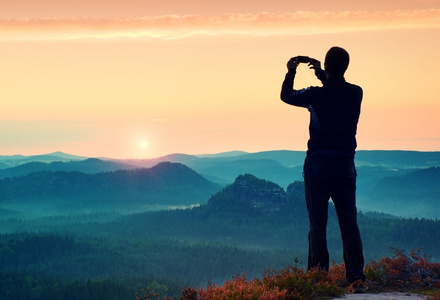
[(354, 86), (356, 89)]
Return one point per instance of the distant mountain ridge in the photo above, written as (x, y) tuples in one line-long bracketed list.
[(88, 166), (166, 184), (7, 161), (398, 158), (388, 158), (286, 158), (281, 167)]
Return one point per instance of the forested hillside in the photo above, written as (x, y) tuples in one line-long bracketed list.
[(166, 184), (412, 193), (249, 223)]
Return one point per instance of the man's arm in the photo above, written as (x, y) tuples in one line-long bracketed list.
[(288, 94), (287, 87), (320, 73)]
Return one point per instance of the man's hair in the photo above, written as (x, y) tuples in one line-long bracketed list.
[(336, 61)]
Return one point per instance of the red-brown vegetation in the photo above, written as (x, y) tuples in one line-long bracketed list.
[(411, 271)]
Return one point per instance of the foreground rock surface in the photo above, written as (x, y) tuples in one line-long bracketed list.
[(389, 296)]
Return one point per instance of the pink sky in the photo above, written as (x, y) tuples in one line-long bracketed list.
[(149, 78)]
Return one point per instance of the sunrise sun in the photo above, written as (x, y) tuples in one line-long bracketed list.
[(144, 144)]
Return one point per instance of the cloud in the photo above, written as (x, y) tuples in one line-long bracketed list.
[(177, 27)]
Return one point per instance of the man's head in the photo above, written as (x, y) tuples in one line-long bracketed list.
[(336, 62)]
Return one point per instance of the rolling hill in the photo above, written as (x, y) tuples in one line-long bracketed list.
[(164, 185)]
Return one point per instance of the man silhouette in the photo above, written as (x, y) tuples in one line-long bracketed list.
[(329, 170)]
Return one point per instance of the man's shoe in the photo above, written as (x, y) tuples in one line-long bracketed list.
[(357, 287)]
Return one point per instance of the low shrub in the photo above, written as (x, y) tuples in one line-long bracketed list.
[(411, 271)]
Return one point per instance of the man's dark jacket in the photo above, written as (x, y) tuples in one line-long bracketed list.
[(334, 113)]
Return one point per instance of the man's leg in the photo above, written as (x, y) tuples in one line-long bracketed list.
[(317, 198), (344, 198)]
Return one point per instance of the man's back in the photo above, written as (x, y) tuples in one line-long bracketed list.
[(334, 114)]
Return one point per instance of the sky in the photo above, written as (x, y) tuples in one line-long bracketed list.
[(147, 78)]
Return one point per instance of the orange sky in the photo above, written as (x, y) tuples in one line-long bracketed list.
[(139, 78)]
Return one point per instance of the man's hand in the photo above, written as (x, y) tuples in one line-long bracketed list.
[(314, 64), (293, 63)]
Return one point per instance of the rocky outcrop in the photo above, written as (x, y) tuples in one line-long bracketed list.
[(248, 191)]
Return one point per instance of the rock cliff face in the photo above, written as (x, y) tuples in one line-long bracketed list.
[(253, 193)]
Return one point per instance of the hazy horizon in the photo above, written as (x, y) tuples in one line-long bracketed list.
[(220, 153)]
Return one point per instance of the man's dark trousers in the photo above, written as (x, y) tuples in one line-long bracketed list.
[(328, 177)]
